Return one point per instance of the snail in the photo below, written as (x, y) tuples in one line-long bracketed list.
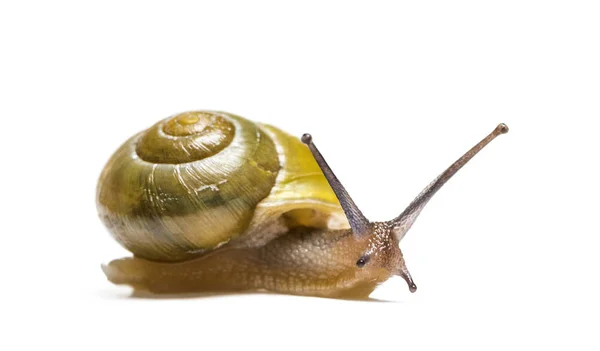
[(208, 201)]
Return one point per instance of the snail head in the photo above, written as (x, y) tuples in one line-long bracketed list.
[(378, 242)]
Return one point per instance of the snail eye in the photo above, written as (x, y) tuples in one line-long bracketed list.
[(362, 261)]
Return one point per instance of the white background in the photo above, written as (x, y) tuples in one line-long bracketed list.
[(505, 256)]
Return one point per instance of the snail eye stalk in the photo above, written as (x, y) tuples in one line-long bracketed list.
[(358, 222), (402, 223)]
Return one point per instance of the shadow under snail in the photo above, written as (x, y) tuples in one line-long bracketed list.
[(209, 201)]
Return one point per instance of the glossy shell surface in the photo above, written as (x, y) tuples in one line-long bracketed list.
[(202, 179)]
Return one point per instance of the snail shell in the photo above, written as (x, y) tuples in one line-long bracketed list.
[(197, 180)]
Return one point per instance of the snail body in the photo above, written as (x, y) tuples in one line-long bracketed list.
[(209, 201)]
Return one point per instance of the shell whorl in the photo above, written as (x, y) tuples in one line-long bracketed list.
[(186, 137), (197, 180)]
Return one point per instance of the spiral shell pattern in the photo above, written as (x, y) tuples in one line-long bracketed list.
[(200, 179)]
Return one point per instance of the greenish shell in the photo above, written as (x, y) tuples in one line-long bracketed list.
[(201, 179)]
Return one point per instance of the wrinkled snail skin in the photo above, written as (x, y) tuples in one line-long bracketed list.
[(209, 201), (302, 262)]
